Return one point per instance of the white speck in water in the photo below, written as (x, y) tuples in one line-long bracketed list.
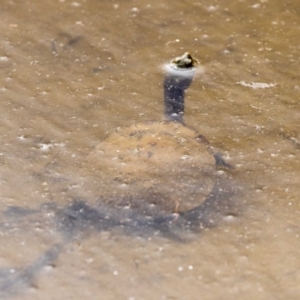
[(48, 268), (135, 9), (191, 267), (229, 218), (73, 186), (256, 5), (180, 269), (45, 147), (115, 273), (3, 58), (116, 6), (259, 127), (212, 8), (75, 4), (172, 42), (21, 137), (38, 229), (184, 157), (12, 271), (256, 85)]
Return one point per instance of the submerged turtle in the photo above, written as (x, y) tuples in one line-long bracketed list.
[(160, 167)]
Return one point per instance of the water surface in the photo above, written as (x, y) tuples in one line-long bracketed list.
[(73, 71)]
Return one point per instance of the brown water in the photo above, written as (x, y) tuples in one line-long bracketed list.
[(71, 71)]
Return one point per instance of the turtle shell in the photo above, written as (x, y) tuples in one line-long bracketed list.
[(155, 167)]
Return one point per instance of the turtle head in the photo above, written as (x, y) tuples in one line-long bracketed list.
[(179, 76), (186, 61)]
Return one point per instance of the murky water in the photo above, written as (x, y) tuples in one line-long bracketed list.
[(71, 71)]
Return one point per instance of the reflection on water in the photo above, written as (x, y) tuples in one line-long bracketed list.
[(73, 71)]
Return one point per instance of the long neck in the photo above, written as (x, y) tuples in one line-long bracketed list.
[(175, 84)]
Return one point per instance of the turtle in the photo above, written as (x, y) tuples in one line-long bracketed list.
[(155, 167)]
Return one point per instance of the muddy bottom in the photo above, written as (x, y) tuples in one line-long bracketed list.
[(72, 72)]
